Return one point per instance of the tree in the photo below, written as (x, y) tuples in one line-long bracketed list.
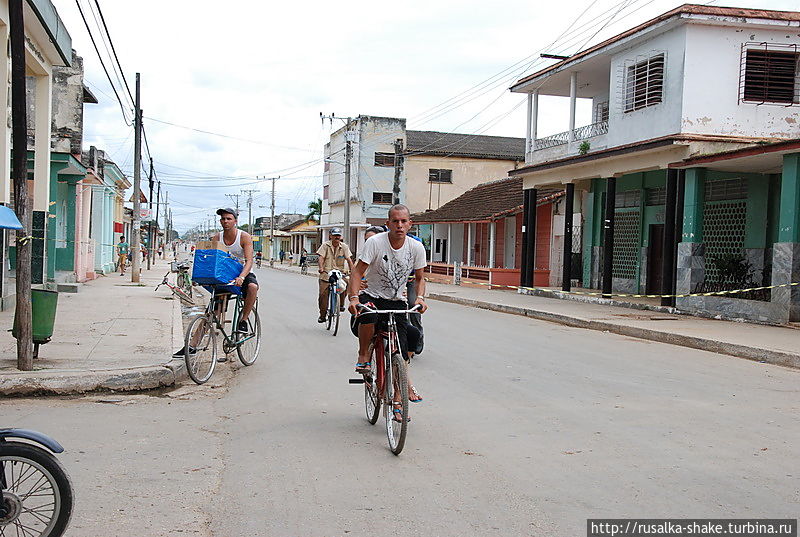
[(314, 210), (245, 227)]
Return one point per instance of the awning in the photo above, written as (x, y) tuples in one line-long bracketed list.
[(8, 219)]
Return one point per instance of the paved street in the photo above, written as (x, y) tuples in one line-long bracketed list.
[(527, 428)]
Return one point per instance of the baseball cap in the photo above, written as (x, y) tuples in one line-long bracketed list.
[(228, 210), (336, 231)]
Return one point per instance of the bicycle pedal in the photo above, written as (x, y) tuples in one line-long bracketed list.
[(356, 381)]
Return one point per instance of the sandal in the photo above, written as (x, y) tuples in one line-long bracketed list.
[(412, 392), (363, 368), (398, 413)]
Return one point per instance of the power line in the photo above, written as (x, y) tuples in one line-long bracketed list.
[(113, 49)]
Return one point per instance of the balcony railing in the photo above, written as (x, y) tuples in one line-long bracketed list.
[(581, 133)]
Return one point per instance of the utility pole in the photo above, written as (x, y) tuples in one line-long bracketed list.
[(19, 133), (249, 209), (272, 222), (136, 242), (235, 199), (349, 138), (398, 169), (150, 220), (158, 206)]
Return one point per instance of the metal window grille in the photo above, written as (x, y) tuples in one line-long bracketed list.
[(655, 196), (384, 160), (626, 244), (627, 199), (643, 82), (440, 176), (726, 189), (724, 226), (382, 198), (770, 73)]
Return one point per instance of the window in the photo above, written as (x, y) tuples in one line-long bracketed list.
[(384, 160), (601, 112), (440, 176), (382, 198), (726, 189), (327, 166), (655, 196), (626, 199), (644, 83), (769, 73), (325, 192)]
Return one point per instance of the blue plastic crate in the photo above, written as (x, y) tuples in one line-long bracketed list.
[(215, 267)]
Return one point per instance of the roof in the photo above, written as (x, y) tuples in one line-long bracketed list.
[(464, 145), (761, 158), (685, 9), (487, 201)]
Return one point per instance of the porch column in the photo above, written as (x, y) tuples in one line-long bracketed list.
[(608, 236), (41, 175), (446, 256), (668, 257), (573, 98), (533, 122), (492, 238), (5, 137), (691, 262), (786, 252), (433, 243), (469, 244), (529, 237), (566, 269)]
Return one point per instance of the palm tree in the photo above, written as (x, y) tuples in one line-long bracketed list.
[(314, 210)]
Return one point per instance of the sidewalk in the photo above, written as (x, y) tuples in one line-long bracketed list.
[(111, 335), (771, 344)]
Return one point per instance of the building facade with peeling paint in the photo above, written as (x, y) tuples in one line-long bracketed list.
[(693, 82)]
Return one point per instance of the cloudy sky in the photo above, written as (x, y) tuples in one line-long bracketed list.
[(257, 75)]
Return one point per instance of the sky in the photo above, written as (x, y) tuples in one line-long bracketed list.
[(232, 92)]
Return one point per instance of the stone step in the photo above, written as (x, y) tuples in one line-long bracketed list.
[(68, 287)]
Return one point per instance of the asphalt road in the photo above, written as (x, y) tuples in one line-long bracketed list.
[(527, 428)]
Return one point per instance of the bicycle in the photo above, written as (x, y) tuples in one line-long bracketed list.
[(183, 287), (386, 383), (333, 313), (200, 342), (36, 493), (303, 266), (258, 262)]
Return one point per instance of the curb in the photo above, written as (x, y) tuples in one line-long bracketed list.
[(732, 349), (71, 382)]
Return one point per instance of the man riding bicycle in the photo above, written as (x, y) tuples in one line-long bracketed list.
[(385, 260), (240, 246), (333, 254)]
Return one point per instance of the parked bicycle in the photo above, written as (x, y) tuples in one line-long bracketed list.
[(332, 315), (386, 383), (183, 284), (35, 489), (200, 343)]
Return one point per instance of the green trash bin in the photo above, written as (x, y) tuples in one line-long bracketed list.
[(43, 310)]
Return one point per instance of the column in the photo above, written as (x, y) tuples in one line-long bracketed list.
[(566, 269), (5, 137), (41, 175), (691, 262), (668, 257), (608, 236), (786, 252), (446, 256), (433, 243), (523, 263), (469, 244), (492, 239), (573, 98), (532, 124)]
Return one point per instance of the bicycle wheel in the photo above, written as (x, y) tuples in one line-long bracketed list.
[(336, 313), (332, 306), (182, 296), (37, 491), (248, 349), (372, 399), (396, 380), (185, 283), (201, 337)]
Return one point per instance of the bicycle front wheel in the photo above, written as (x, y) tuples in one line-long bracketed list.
[(396, 404), (372, 398), (332, 306), (200, 349), (37, 491), (336, 314), (248, 347)]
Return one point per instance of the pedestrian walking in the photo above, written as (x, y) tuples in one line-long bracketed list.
[(123, 248), (282, 254)]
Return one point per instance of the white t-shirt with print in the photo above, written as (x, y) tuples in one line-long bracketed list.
[(388, 269)]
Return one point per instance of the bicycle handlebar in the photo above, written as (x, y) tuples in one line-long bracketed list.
[(366, 309)]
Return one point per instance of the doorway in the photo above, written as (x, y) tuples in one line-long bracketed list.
[(655, 255)]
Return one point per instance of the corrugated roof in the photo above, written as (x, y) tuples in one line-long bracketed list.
[(487, 201), (688, 9), (464, 145)]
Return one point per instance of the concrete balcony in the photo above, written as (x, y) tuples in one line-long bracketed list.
[(567, 143)]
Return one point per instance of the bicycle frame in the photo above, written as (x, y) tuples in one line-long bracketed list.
[(379, 342), (217, 308)]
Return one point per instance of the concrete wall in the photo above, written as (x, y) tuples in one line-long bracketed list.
[(422, 195), (67, 128), (711, 90)]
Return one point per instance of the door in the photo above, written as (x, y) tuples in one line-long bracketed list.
[(655, 254), (510, 242)]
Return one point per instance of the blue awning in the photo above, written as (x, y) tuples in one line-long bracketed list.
[(8, 219)]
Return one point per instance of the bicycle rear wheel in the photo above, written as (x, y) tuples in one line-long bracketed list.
[(336, 314), (332, 306), (201, 337), (248, 349), (372, 399), (396, 380)]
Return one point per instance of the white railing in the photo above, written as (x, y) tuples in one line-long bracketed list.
[(581, 133)]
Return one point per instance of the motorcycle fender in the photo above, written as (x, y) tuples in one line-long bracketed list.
[(33, 436)]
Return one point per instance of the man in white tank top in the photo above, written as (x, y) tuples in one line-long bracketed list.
[(240, 246)]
